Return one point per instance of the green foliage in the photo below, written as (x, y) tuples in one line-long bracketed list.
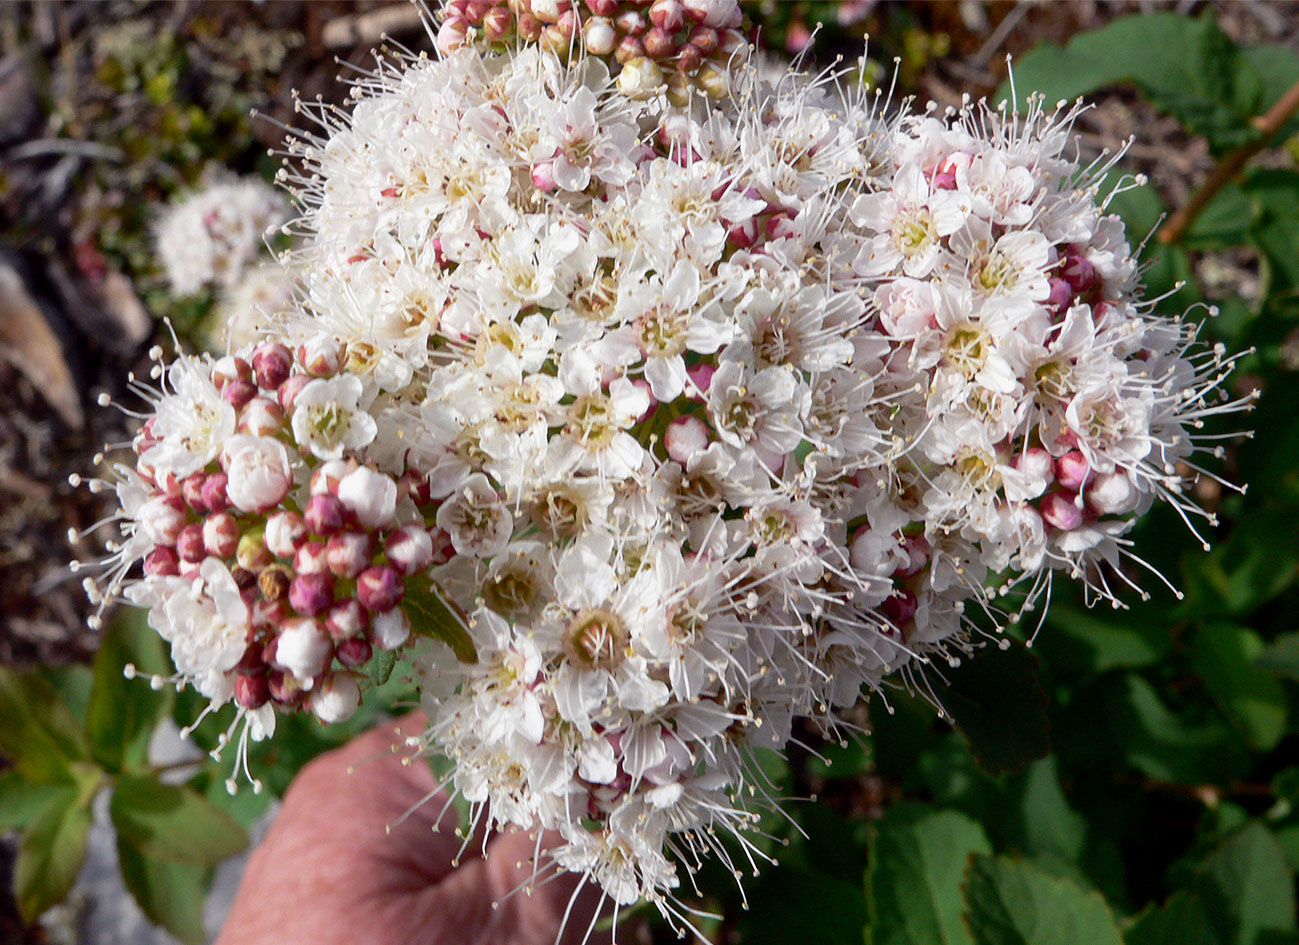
[(1013, 902), (997, 703)]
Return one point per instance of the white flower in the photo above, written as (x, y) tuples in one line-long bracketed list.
[(328, 419), (476, 519), (371, 496)]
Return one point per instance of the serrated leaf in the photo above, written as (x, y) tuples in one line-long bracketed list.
[(999, 706), (1180, 921), (38, 732), (169, 894), (124, 712), (1250, 697), (173, 823), (917, 858), (433, 614), (1013, 902), (1247, 888), (52, 851)]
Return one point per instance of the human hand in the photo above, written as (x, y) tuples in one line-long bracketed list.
[(331, 873)]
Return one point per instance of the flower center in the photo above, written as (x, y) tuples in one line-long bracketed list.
[(596, 638)]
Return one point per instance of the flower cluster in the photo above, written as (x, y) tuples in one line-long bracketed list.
[(693, 417), (211, 236), (674, 47)]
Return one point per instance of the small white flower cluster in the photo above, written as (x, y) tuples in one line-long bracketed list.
[(211, 236), (704, 416)]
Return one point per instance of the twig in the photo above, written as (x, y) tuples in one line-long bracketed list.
[(369, 27), (1231, 164)]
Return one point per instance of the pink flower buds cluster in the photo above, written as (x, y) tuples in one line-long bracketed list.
[(651, 45), (251, 477)]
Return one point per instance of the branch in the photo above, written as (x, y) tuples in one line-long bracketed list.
[(1230, 165)]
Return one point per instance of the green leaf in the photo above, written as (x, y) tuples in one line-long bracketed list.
[(917, 858), (1102, 641), (1179, 921), (1247, 888), (37, 730), (1250, 697), (1013, 902), (1281, 656), (1187, 67), (998, 704), (773, 919), (124, 712), (433, 614), (380, 667), (21, 801), (51, 853), (170, 894), (172, 822), (1275, 192)]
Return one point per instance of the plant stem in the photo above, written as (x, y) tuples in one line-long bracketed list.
[(1269, 124)]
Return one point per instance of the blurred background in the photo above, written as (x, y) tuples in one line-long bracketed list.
[(1175, 760)]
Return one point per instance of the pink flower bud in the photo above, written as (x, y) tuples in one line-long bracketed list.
[(900, 607), (379, 588), (1060, 510), (261, 416), (1112, 494), (221, 535), (272, 363), (189, 543), (191, 491), (409, 549), (1081, 275), (744, 234), (631, 23), (252, 692), (311, 558), (714, 82), (311, 594), (497, 23), (529, 27), (284, 532), (229, 369), (258, 474), (685, 437), (325, 514), (628, 49), (289, 390), (238, 392), (284, 688), (370, 496), (355, 652), (214, 492), (1060, 298), (1036, 464), (253, 660), (335, 699), (668, 15), (659, 44), (390, 629), (303, 648), (701, 376), (704, 39), (162, 561), (452, 34), (543, 177), (604, 8), (689, 59), (322, 356), (1073, 471), (349, 553), (347, 619)]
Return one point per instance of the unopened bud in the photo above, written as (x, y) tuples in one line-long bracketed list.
[(346, 619), (1060, 510), (221, 535), (162, 561), (640, 78), (370, 496), (1073, 471), (238, 392), (289, 390), (311, 594), (659, 43), (189, 543), (272, 363), (348, 553), (303, 648), (409, 549), (900, 607), (310, 558), (274, 582), (1112, 494), (285, 531), (252, 692), (214, 492), (355, 652), (390, 630), (322, 356), (685, 437), (668, 15), (191, 490), (600, 36), (261, 416), (335, 699), (379, 588), (325, 514)]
